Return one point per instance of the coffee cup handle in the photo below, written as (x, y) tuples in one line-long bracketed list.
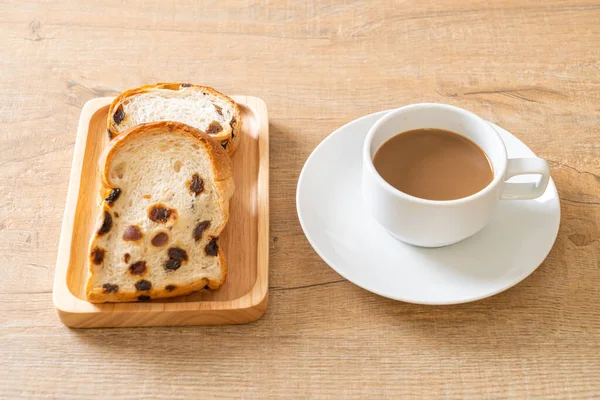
[(525, 190)]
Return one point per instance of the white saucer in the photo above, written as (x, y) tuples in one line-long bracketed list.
[(341, 231)]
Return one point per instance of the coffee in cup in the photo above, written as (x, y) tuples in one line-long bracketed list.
[(406, 201), (433, 164)]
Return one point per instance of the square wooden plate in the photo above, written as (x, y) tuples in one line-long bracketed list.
[(243, 296)]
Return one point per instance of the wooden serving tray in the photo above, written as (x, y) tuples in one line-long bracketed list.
[(243, 296)]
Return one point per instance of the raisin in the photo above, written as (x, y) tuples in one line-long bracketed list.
[(214, 127), (160, 239), (196, 184), (178, 254), (232, 123), (143, 285), (160, 213), (119, 115), (170, 288), (186, 84), (106, 224), (143, 297), (110, 288), (113, 196), (132, 233), (126, 257), (199, 229), (172, 264), (116, 214), (138, 268), (97, 255), (212, 248), (219, 109)]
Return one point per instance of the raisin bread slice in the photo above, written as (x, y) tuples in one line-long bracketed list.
[(202, 107), (167, 201)]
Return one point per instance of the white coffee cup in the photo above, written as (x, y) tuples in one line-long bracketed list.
[(432, 223)]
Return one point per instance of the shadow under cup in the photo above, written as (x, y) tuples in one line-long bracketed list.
[(432, 223)]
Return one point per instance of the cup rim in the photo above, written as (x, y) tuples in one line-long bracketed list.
[(368, 161)]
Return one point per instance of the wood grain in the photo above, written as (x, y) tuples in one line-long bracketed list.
[(531, 67), (243, 296)]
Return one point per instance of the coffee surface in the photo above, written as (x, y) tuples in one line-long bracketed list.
[(433, 164)]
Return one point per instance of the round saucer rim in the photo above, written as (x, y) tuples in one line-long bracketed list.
[(519, 279)]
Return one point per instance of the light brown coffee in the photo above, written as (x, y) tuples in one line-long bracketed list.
[(433, 164)]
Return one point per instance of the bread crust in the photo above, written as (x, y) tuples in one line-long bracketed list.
[(223, 180), (231, 135)]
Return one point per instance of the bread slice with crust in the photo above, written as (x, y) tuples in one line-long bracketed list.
[(201, 107), (167, 201)]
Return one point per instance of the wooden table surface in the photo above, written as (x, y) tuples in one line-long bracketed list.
[(531, 67)]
